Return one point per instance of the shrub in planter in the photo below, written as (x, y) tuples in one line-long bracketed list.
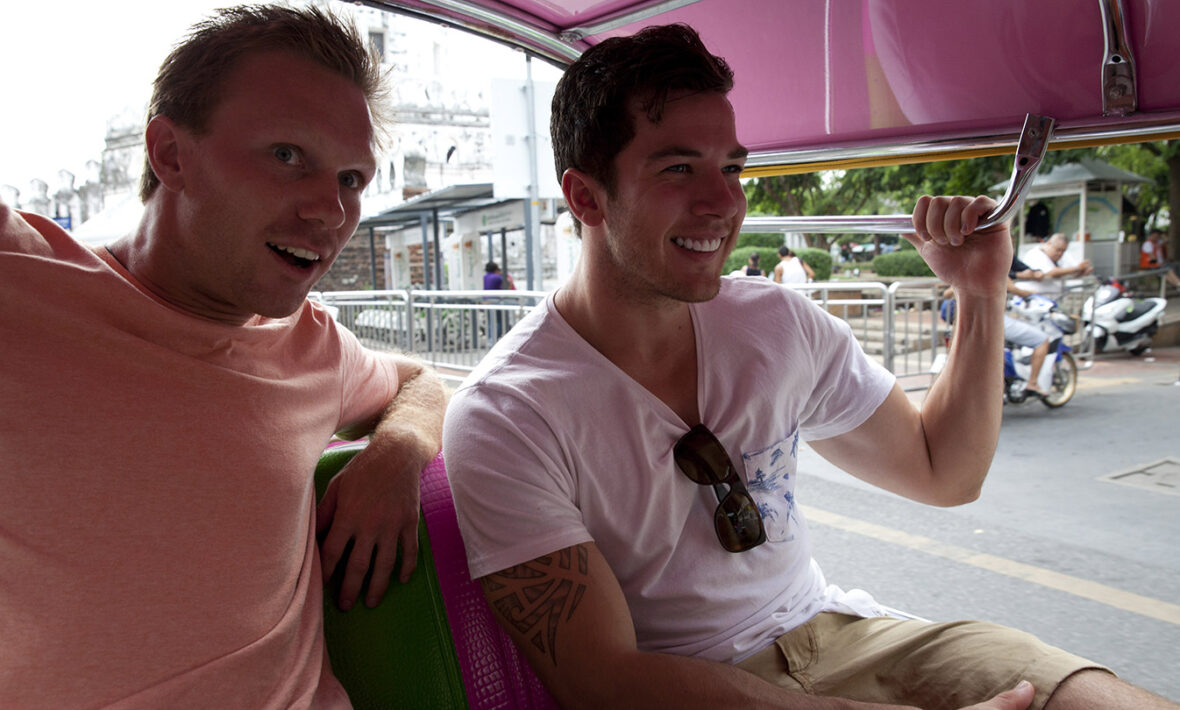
[(901, 263), (773, 241), (819, 260), (767, 258)]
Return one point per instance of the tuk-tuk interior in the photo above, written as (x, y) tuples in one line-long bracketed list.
[(820, 84)]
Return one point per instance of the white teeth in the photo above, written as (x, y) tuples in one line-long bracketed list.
[(296, 251), (698, 245)]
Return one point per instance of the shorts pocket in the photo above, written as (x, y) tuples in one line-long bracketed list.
[(770, 478)]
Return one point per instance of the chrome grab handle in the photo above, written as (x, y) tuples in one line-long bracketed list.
[(1120, 94), (1030, 151)]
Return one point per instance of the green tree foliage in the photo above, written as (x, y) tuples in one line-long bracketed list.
[(893, 189), (825, 193), (1160, 162), (1155, 201)]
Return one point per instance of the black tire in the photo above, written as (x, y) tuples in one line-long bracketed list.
[(1065, 382), (1137, 351)]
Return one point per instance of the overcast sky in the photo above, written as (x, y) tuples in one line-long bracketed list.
[(71, 65)]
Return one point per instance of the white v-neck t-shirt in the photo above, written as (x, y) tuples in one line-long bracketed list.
[(548, 444)]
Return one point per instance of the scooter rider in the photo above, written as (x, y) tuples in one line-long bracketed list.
[(1023, 333)]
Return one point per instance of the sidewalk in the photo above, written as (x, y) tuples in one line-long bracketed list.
[(1159, 365), (1169, 332)]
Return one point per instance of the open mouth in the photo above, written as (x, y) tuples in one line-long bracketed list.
[(300, 258), (701, 245)]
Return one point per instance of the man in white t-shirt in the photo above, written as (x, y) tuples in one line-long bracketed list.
[(1055, 264), (624, 461)]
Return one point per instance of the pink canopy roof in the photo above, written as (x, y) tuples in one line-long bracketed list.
[(824, 81)]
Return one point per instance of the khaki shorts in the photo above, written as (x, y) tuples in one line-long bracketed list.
[(931, 665)]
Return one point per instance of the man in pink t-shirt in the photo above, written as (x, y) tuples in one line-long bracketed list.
[(165, 399)]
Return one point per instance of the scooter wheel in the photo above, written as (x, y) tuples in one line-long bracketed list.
[(1065, 382)]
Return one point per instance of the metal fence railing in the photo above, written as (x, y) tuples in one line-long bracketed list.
[(1076, 292), (897, 323), (1149, 282), (451, 330)]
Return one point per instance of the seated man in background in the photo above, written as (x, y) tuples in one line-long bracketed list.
[(1154, 255), (165, 399), (592, 453), (1050, 257)]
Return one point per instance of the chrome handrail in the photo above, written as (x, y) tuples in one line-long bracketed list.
[(1030, 151)]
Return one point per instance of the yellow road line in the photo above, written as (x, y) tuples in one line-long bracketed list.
[(1117, 598)]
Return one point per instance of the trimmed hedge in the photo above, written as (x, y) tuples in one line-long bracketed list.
[(901, 263), (767, 257), (818, 259), (760, 240)]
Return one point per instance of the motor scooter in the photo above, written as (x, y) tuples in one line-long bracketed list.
[(1115, 321), (1058, 377)]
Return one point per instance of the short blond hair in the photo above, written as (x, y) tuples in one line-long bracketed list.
[(189, 84)]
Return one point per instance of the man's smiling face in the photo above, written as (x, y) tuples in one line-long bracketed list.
[(677, 203)]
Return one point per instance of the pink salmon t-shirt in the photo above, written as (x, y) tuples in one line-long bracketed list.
[(157, 538)]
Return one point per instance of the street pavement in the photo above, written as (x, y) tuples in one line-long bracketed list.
[(1053, 546)]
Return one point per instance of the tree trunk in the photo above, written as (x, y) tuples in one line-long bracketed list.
[(1173, 161)]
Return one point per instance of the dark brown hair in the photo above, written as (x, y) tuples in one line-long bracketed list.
[(591, 121)]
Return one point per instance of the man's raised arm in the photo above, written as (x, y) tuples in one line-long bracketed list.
[(941, 453)]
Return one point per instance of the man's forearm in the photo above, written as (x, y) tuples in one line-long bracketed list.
[(413, 420), (373, 501), (1062, 272)]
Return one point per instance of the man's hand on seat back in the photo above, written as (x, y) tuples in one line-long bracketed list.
[(372, 503)]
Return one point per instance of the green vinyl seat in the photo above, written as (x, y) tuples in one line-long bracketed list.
[(432, 642)]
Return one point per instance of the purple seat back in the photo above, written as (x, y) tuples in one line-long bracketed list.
[(495, 674)]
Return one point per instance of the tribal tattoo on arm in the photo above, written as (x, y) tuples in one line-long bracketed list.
[(535, 597)]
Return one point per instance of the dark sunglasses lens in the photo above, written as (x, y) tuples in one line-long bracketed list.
[(701, 457), (738, 523)]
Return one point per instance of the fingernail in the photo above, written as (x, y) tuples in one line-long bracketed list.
[(1023, 685)]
